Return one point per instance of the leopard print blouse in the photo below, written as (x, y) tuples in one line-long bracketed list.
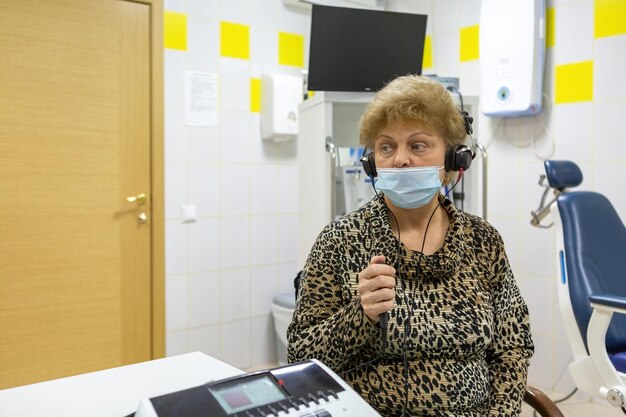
[(458, 338)]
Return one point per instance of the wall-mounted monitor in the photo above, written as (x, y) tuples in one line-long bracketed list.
[(362, 50)]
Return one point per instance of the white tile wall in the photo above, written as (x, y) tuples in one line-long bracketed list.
[(177, 290), (264, 189), (177, 343), (204, 183), (176, 249), (203, 145), (204, 244), (263, 341), (234, 242), (235, 294), (237, 343), (203, 8), (608, 65), (263, 288), (608, 127), (175, 189), (573, 24), (234, 189), (235, 132), (205, 301), (203, 39), (175, 142), (573, 131), (206, 339), (237, 11), (264, 240), (287, 189)]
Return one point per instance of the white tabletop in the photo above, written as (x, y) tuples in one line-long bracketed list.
[(113, 392)]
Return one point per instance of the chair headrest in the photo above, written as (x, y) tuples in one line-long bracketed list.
[(563, 174)]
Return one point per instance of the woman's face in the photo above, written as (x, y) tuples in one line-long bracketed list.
[(405, 144)]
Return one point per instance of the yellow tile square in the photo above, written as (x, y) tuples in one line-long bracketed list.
[(469, 43), (609, 18), (291, 49), (427, 60), (234, 40), (550, 27), (175, 30), (573, 82), (255, 95)]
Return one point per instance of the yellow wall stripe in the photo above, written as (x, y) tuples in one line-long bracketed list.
[(574, 82), (427, 60), (609, 18), (255, 95), (469, 43), (550, 26), (290, 49), (234, 40), (175, 30)]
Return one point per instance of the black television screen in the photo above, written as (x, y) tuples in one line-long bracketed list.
[(361, 50)]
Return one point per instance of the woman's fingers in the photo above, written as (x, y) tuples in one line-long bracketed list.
[(377, 288)]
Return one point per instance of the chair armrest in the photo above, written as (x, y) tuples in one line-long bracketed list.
[(614, 303), (604, 306), (541, 402)]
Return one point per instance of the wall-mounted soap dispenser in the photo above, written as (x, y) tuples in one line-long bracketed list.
[(280, 96)]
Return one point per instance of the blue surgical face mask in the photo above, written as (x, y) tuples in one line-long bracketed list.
[(409, 188)]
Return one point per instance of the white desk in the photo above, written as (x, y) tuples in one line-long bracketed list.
[(113, 392)]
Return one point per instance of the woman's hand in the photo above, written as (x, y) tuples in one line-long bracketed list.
[(377, 285)]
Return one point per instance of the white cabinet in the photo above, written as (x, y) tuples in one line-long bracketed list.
[(324, 117)]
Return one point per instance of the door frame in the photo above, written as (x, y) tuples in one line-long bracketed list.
[(157, 249)]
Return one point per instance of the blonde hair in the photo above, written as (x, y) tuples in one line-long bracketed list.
[(412, 98)]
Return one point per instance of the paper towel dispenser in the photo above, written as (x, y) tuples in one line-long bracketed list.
[(280, 96)]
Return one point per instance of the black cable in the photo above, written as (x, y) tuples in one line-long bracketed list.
[(462, 194), (411, 309)]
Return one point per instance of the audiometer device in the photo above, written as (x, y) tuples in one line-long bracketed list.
[(305, 389)]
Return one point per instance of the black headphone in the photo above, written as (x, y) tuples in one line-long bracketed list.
[(457, 157)]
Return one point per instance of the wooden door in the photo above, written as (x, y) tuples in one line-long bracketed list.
[(80, 272)]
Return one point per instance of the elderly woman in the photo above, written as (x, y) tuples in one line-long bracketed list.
[(410, 300)]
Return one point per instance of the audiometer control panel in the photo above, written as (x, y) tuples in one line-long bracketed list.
[(305, 389)]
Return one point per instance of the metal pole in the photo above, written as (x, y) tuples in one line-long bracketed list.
[(483, 154)]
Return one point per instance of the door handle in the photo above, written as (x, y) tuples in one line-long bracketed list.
[(140, 199)]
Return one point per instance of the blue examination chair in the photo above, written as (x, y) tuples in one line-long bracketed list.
[(591, 259)]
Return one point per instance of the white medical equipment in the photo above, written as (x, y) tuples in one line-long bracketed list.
[(512, 49), (308, 389), (591, 240)]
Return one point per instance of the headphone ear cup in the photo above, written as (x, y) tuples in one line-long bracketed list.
[(369, 166), (463, 159), (458, 157), (449, 159)]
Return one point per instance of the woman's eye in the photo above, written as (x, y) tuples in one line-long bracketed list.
[(385, 148), (418, 147)]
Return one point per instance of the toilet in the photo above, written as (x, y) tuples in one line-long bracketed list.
[(282, 312)]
